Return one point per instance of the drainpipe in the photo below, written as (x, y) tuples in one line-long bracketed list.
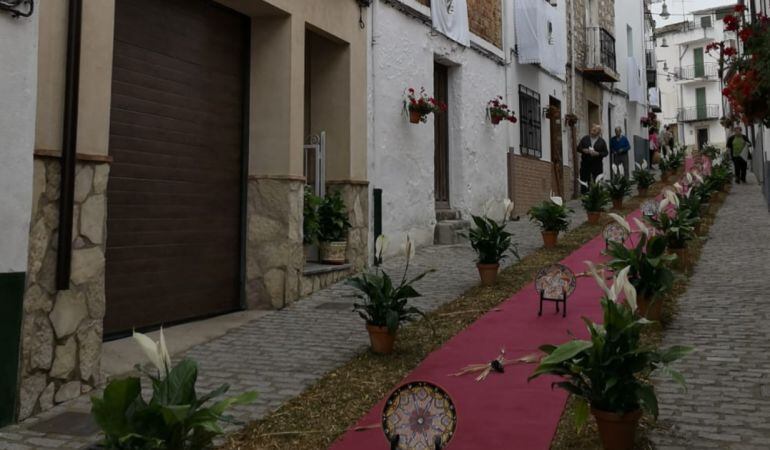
[(69, 145), (575, 170)]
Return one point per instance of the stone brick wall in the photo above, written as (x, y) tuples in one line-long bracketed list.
[(529, 181), (485, 19), (62, 330)]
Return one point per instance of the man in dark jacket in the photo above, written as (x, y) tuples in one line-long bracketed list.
[(592, 149)]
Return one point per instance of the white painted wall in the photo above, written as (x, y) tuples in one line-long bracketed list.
[(18, 90), (677, 94), (401, 154)]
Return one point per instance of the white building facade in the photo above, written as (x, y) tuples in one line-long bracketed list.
[(690, 85)]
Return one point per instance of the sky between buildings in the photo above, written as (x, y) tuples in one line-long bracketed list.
[(676, 8)]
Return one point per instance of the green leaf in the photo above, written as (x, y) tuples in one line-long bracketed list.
[(567, 351), (674, 353), (174, 414), (581, 410), (647, 397), (179, 386), (111, 412)]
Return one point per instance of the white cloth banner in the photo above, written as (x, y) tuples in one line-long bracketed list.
[(653, 97), (541, 36), (635, 89), (450, 17)]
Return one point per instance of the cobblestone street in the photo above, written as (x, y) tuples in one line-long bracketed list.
[(725, 315), (283, 352)]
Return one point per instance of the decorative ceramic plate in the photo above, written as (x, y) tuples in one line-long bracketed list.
[(418, 412), (649, 208), (554, 280), (614, 232)]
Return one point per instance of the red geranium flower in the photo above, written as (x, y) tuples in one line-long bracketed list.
[(731, 23), (740, 8), (730, 51), (745, 34)]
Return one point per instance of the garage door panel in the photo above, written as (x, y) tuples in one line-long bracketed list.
[(174, 194)]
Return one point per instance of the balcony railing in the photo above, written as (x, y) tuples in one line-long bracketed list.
[(697, 72), (600, 61), (695, 113)]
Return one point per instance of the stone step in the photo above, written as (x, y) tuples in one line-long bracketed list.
[(447, 232), (447, 214)]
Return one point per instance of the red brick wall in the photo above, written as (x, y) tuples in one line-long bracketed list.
[(529, 181), (485, 19)]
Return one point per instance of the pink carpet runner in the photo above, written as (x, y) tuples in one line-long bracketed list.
[(503, 411)]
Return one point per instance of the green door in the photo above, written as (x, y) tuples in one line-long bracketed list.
[(700, 70), (700, 103)]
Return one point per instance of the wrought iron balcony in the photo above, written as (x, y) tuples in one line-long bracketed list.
[(697, 72), (600, 63), (696, 113)]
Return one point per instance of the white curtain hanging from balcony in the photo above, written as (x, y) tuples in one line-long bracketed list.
[(541, 36), (450, 17), (635, 88)]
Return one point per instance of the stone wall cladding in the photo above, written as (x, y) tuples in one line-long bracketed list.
[(485, 19), (531, 181), (356, 198), (314, 283), (62, 330), (274, 253)]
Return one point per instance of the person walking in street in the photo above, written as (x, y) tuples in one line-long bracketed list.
[(738, 145), (668, 140), (654, 146), (619, 148), (592, 149)]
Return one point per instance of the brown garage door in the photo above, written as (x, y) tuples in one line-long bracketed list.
[(176, 137)]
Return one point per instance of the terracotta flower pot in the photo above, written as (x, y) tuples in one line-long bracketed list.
[(488, 273), (726, 187), (550, 238), (649, 309), (495, 119), (594, 217), (617, 203), (682, 262), (617, 431), (333, 252), (642, 192), (381, 339), (698, 229), (414, 116)]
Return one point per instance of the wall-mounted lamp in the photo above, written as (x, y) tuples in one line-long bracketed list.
[(18, 8), (361, 5), (664, 44)]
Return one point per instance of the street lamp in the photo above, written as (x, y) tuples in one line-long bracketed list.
[(18, 8), (664, 44), (664, 14)]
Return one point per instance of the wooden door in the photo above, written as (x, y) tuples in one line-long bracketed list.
[(556, 148), (441, 138), (176, 137)]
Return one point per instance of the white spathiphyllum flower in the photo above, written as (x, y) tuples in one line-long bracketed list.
[(642, 227), (689, 178), (644, 164), (621, 169), (622, 221), (637, 165), (599, 178), (678, 187), (698, 177), (614, 168), (622, 284), (556, 199), (672, 198), (583, 183), (508, 207), (380, 245), (408, 249), (157, 353)]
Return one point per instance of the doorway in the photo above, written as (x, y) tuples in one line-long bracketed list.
[(441, 137), (556, 147), (703, 137)]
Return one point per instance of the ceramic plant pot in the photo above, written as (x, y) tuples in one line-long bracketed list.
[(617, 203), (488, 273), (650, 309), (594, 217), (381, 339), (550, 238), (415, 116), (617, 431), (333, 252)]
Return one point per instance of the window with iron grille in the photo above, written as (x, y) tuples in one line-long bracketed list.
[(529, 123)]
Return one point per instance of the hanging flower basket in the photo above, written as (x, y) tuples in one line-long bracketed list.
[(497, 111), (419, 106), (551, 112), (571, 120)]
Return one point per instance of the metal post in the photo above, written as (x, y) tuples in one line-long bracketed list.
[(377, 206)]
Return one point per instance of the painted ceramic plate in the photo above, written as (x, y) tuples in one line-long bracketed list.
[(613, 232), (554, 280), (649, 208), (418, 412)]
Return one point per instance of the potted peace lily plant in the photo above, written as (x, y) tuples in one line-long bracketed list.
[(498, 111), (649, 271), (552, 215), (620, 185), (608, 372), (175, 417), (676, 225), (643, 177), (385, 305), (595, 199), (333, 226), (491, 243), (420, 105)]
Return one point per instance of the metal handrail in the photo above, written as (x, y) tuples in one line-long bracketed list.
[(695, 113), (707, 70)]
